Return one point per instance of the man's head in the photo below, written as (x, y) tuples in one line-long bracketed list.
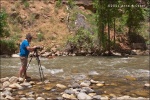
[(29, 37)]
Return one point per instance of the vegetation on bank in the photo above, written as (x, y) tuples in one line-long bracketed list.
[(99, 32)]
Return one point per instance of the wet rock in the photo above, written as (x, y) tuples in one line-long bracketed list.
[(67, 96), (100, 85), (97, 97), (85, 83), (15, 55), (147, 85), (69, 91), (26, 84), (5, 93), (47, 88), (104, 98), (75, 85), (20, 79), (13, 79), (92, 94), (6, 84), (40, 98), (61, 86), (4, 79), (46, 81), (39, 83), (130, 78), (15, 86), (8, 97), (32, 82), (88, 89), (142, 93), (83, 96), (23, 98), (59, 98), (94, 82), (8, 89)]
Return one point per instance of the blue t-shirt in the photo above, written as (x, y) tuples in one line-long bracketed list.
[(23, 48)]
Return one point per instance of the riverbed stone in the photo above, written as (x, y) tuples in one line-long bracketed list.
[(4, 79), (15, 86), (88, 89), (97, 97), (100, 85), (83, 96), (23, 98), (147, 85), (26, 84), (130, 78), (75, 85), (13, 79), (69, 91), (69, 96), (92, 94), (40, 98), (8, 97), (6, 84), (61, 86), (5, 93), (85, 84), (20, 79)]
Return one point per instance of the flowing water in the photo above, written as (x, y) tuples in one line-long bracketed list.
[(112, 70)]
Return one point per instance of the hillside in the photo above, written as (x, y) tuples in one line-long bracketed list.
[(37, 17), (53, 23)]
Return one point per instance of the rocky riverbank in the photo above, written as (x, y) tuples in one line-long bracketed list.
[(13, 88)]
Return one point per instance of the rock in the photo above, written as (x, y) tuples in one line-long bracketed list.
[(6, 92), (100, 85), (15, 55), (20, 79), (30, 99), (13, 79), (47, 88), (130, 78), (23, 98), (61, 86), (92, 94), (67, 96), (94, 82), (4, 79), (69, 91), (97, 97), (9, 97), (32, 82), (8, 89), (6, 84), (26, 84), (88, 90), (40, 98), (75, 85), (104, 98), (147, 85), (83, 96), (123, 98), (85, 84), (15, 86), (39, 83)]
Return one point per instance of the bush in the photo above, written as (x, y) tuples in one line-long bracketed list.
[(40, 37), (4, 32), (7, 47)]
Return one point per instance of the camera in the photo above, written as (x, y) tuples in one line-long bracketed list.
[(38, 48)]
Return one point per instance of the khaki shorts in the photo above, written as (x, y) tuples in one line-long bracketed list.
[(24, 61)]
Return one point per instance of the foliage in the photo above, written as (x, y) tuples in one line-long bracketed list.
[(82, 39), (4, 32), (40, 37), (7, 46), (58, 3)]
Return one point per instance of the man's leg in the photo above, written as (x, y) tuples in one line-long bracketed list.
[(22, 72)]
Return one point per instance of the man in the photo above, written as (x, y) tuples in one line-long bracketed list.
[(24, 52)]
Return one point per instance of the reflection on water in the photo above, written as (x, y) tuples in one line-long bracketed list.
[(81, 67)]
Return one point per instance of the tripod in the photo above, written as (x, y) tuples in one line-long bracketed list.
[(39, 64)]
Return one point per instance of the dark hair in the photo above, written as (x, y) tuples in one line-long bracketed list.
[(28, 36)]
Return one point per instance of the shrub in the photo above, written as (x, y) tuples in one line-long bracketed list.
[(7, 47)]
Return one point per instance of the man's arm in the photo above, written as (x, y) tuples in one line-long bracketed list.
[(31, 48)]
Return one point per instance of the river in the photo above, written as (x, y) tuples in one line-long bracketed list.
[(112, 70)]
